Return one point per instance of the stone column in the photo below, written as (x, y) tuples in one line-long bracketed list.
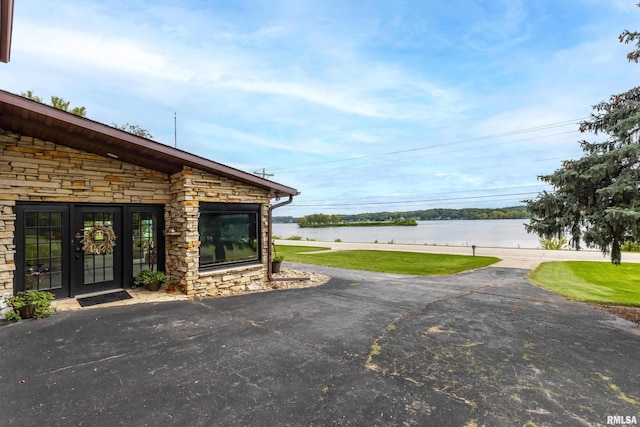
[(182, 238), (7, 247)]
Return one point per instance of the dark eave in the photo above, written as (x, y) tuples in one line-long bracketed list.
[(6, 27), (26, 117)]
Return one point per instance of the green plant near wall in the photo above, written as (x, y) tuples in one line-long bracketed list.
[(148, 277), (40, 300), (274, 254)]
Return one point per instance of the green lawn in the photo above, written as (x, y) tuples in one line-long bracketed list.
[(599, 282), (387, 261)]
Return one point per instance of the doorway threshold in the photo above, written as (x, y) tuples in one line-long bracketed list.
[(95, 294), (139, 296)]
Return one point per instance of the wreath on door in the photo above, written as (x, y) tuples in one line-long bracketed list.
[(98, 240)]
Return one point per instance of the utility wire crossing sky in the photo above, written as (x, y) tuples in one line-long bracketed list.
[(362, 106)]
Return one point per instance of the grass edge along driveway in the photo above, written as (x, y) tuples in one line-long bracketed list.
[(591, 281), (397, 262)]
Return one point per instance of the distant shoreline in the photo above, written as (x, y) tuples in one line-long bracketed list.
[(361, 224), (436, 214)]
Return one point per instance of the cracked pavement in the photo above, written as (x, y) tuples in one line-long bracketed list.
[(479, 348)]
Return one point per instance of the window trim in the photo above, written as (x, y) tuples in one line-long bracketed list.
[(232, 208)]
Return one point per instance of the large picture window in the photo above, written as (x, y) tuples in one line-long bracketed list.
[(229, 234)]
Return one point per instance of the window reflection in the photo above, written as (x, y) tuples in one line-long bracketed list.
[(228, 237)]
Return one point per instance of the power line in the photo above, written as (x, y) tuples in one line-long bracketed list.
[(416, 201), (518, 163), (366, 199), (334, 204), (464, 141), (476, 167), (413, 158), (478, 147)]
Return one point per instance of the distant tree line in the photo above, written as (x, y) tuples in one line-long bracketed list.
[(512, 212), (285, 219), (322, 220)]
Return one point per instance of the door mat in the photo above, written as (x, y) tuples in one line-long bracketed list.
[(104, 298)]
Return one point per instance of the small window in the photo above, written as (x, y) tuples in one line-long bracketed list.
[(229, 234)]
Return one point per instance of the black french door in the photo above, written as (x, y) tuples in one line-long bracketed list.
[(53, 242), (94, 272)]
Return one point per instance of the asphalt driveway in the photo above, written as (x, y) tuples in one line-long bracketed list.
[(480, 348)]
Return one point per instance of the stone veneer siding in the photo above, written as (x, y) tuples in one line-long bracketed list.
[(39, 171), (189, 188)]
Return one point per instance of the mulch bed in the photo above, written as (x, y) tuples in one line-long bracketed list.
[(629, 313)]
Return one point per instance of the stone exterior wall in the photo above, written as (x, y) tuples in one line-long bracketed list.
[(40, 171), (189, 188), (7, 248)]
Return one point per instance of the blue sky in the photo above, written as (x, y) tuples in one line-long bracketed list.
[(362, 106)]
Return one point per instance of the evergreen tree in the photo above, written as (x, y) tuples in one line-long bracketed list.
[(596, 199)]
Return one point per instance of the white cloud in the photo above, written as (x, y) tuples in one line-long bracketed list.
[(82, 49), (236, 61)]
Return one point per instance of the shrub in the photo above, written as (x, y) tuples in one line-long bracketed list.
[(146, 277), (555, 244), (630, 246), (40, 299)]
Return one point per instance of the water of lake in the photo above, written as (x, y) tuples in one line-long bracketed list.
[(503, 233)]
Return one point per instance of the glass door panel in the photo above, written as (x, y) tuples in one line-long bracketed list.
[(97, 267), (145, 241), (98, 249), (43, 250)]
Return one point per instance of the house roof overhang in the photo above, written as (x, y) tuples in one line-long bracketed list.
[(26, 117), (6, 28)]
